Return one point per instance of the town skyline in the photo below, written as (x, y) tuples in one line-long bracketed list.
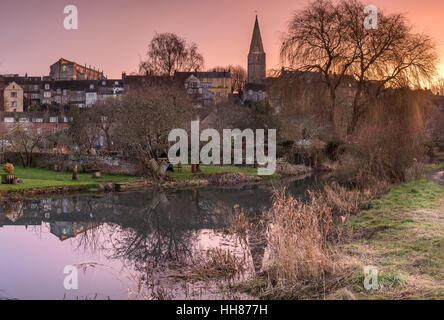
[(40, 26)]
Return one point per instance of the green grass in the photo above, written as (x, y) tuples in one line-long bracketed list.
[(185, 173), (38, 178), (416, 194), (405, 240)]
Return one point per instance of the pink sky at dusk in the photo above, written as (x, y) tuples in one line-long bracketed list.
[(113, 34)]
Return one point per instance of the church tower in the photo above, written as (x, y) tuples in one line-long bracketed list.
[(256, 57)]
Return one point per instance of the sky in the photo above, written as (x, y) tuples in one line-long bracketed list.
[(113, 35)]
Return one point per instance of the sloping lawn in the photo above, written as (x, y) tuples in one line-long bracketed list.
[(38, 178), (185, 173)]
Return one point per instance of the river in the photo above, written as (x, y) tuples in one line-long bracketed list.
[(128, 245)]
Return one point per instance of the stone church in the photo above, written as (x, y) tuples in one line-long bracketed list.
[(255, 89)]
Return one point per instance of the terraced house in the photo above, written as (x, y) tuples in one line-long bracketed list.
[(39, 91), (13, 97)]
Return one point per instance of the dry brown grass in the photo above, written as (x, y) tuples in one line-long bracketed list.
[(301, 234), (237, 222), (297, 239), (217, 263)]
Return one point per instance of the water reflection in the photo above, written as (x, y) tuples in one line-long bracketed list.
[(134, 232)]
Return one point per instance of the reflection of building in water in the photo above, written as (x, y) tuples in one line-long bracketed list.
[(68, 229)]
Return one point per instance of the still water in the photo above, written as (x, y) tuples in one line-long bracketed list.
[(125, 245)]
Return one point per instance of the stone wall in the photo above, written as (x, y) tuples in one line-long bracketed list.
[(65, 162)]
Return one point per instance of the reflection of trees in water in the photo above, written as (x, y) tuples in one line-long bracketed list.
[(141, 226), (156, 229)]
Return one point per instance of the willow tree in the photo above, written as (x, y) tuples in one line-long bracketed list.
[(316, 41), (392, 55), (331, 38)]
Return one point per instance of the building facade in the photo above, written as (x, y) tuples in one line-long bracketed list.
[(65, 70), (13, 98), (38, 91), (207, 87)]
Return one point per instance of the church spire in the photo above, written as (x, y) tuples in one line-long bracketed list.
[(256, 57), (256, 41)]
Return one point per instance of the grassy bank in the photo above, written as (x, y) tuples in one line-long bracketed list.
[(185, 173), (402, 234), (41, 178)]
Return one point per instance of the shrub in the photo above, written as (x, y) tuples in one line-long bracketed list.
[(389, 152), (8, 168), (333, 150)]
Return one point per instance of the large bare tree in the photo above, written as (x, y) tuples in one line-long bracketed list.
[(330, 38), (390, 55), (316, 41), (148, 118), (167, 53)]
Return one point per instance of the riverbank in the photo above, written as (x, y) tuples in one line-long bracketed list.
[(41, 182), (401, 234), (38, 181)]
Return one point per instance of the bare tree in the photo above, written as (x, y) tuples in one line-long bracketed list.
[(390, 55), (316, 41), (331, 39), (438, 86), (85, 129), (167, 53), (239, 78), (149, 117), (24, 139), (106, 115)]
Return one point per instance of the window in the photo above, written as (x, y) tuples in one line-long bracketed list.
[(23, 120), (36, 88), (53, 119), (39, 130), (65, 92), (38, 120), (116, 83), (59, 91), (9, 120), (13, 94), (14, 104), (47, 94), (47, 87), (91, 86), (103, 83)]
